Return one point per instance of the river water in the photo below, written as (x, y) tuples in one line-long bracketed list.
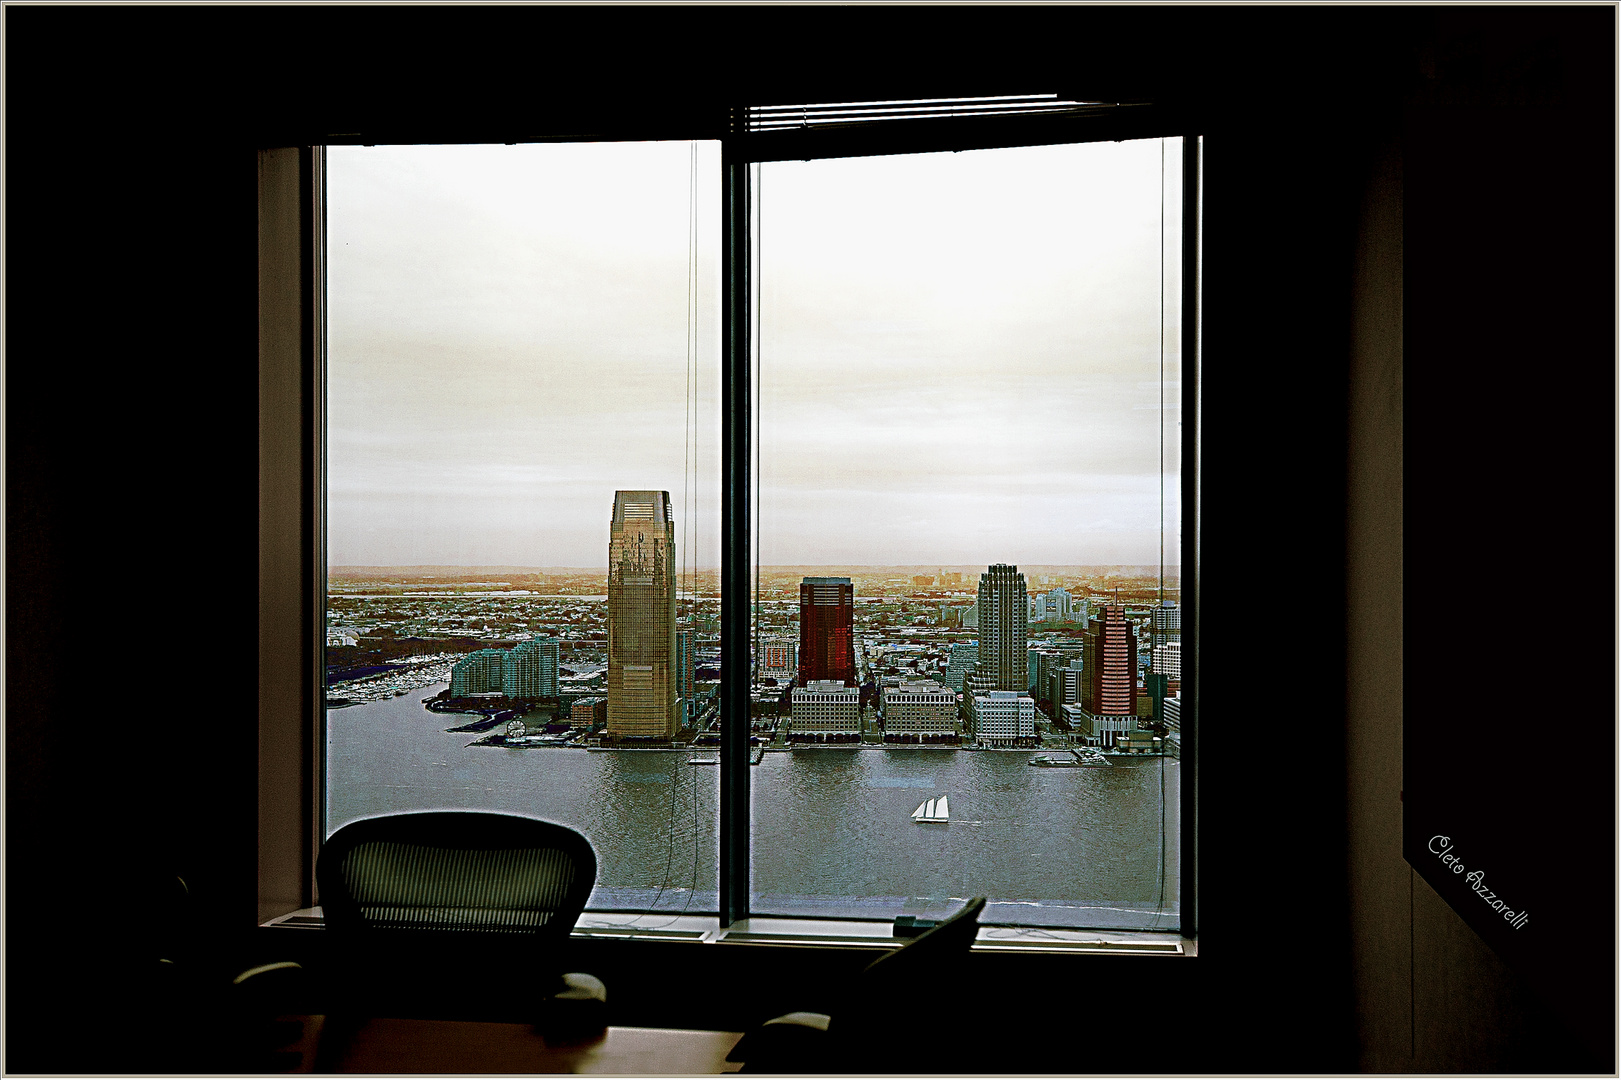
[(832, 828)]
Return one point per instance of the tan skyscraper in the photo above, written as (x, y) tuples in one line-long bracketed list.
[(641, 617)]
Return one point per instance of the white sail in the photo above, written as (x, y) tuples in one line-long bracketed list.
[(941, 810), (922, 808)]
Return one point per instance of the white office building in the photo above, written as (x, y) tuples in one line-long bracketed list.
[(826, 707), (1168, 616), (923, 707), (1168, 659), (1002, 717)]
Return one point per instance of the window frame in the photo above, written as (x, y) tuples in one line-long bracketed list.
[(293, 585)]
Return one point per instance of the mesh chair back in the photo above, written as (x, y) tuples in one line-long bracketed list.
[(927, 969), (455, 872)]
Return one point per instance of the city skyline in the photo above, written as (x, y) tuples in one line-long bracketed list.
[(944, 369), (430, 569)]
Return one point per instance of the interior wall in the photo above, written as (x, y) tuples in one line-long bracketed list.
[(1379, 877), (281, 519), (1430, 995), (130, 502)]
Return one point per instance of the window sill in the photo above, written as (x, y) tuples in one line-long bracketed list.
[(831, 933)]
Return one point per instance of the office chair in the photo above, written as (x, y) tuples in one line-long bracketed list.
[(426, 898), (868, 1032)]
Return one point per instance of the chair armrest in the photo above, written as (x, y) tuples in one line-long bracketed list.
[(578, 986), (784, 1043), (819, 1021), (577, 1011)]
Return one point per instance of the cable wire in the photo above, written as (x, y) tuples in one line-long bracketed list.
[(689, 556)]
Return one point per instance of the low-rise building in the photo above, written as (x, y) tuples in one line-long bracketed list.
[(587, 711), (923, 707), (825, 707), (1095, 729), (1004, 718), (1137, 742)]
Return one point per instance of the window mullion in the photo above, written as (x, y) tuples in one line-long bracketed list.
[(736, 480), (1192, 194)]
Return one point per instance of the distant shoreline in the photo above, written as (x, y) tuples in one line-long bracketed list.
[(1117, 569)]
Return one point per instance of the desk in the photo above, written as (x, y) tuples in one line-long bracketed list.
[(384, 1045)]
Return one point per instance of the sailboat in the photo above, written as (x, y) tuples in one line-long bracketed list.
[(932, 812)]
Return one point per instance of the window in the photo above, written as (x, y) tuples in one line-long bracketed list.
[(967, 375), (522, 511), (533, 416)]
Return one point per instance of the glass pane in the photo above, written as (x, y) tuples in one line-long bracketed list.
[(522, 495), (969, 446)]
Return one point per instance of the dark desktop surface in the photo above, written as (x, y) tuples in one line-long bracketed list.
[(131, 455)]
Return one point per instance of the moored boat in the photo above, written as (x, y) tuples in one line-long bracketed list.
[(1080, 758)]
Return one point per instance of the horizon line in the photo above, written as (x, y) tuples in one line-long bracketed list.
[(954, 567)]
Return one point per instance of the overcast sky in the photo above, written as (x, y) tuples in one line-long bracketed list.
[(960, 354)]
